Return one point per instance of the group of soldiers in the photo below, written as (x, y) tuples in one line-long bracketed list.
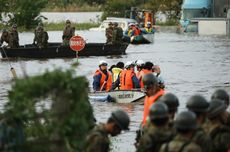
[(113, 33), (203, 127), (40, 36), (10, 37)]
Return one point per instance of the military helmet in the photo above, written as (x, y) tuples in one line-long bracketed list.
[(149, 79), (110, 23), (197, 103), (222, 95), (121, 118), (40, 24), (115, 24), (67, 21), (171, 101), (216, 107), (185, 120), (14, 26), (158, 110)]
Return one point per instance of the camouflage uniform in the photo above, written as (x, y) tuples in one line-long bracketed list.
[(4, 37), (68, 32), (220, 136), (202, 139), (109, 35), (98, 140), (153, 138), (41, 38), (13, 39), (117, 35), (180, 144)]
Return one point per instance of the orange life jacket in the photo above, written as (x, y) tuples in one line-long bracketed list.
[(142, 73), (148, 102), (137, 31), (107, 82), (126, 80)]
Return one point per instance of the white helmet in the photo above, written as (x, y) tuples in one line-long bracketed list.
[(102, 62), (139, 62), (148, 23), (128, 64), (131, 24)]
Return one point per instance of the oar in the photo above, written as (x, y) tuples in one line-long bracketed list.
[(12, 70)]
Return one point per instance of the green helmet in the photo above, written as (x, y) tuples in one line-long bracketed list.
[(222, 95), (121, 118), (14, 26), (216, 107), (67, 22), (149, 79), (158, 110), (40, 24), (185, 120), (171, 101), (197, 103)]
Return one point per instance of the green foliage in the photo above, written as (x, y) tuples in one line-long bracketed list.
[(62, 126), (26, 13), (117, 8)]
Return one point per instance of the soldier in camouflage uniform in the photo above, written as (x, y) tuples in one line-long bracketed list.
[(98, 139), (36, 32), (41, 37), (117, 34), (109, 33), (223, 95), (68, 32), (185, 124), (13, 37), (219, 133), (4, 37), (157, 133), (199, 105)]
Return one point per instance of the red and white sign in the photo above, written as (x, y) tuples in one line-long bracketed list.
[(77, 43)]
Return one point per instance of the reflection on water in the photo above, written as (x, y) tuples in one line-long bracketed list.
[(190, 64)]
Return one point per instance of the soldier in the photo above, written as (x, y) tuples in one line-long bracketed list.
[(13, 37), (185, 124), (117, 34), (98, 140), (157, 133), (172, 103), (4, 37), (219, 133), (109, 33), (36, 32), (223, 95), (199, 105), (41, 37), (68, 32)]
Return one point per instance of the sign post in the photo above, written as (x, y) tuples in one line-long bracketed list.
[(77, 43)]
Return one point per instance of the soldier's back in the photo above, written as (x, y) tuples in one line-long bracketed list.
[(97, 140), (180, 144)]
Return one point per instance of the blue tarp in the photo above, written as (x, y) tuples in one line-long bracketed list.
[(196, 4)]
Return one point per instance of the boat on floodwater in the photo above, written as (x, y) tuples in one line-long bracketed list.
[(56, 50)]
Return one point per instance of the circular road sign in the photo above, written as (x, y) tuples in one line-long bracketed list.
[(77, 43)]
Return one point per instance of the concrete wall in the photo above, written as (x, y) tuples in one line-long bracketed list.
[(213, 27)]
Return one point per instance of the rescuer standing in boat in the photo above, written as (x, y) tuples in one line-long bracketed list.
[(4, 37), (117, 34), (102, 79), (109, 33), (148, 29), (36, 31), (98, 139), (68, 32), (13, 37)]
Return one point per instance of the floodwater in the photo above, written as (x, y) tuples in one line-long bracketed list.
[(190, 64)]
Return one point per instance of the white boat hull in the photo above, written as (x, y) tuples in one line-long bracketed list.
[(120, 96)]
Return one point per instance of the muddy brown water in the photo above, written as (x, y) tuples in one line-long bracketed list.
[(190, 64)]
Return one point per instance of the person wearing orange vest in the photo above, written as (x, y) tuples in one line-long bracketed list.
[(147, 68), (153, 93), (102, 79), (127, 78)]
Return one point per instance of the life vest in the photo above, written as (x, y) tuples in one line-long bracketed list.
[(148, 103), (130, 32), (142, 73), (106, 80), (149, 30), (116, 72), (126, 80), (137, 31)]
